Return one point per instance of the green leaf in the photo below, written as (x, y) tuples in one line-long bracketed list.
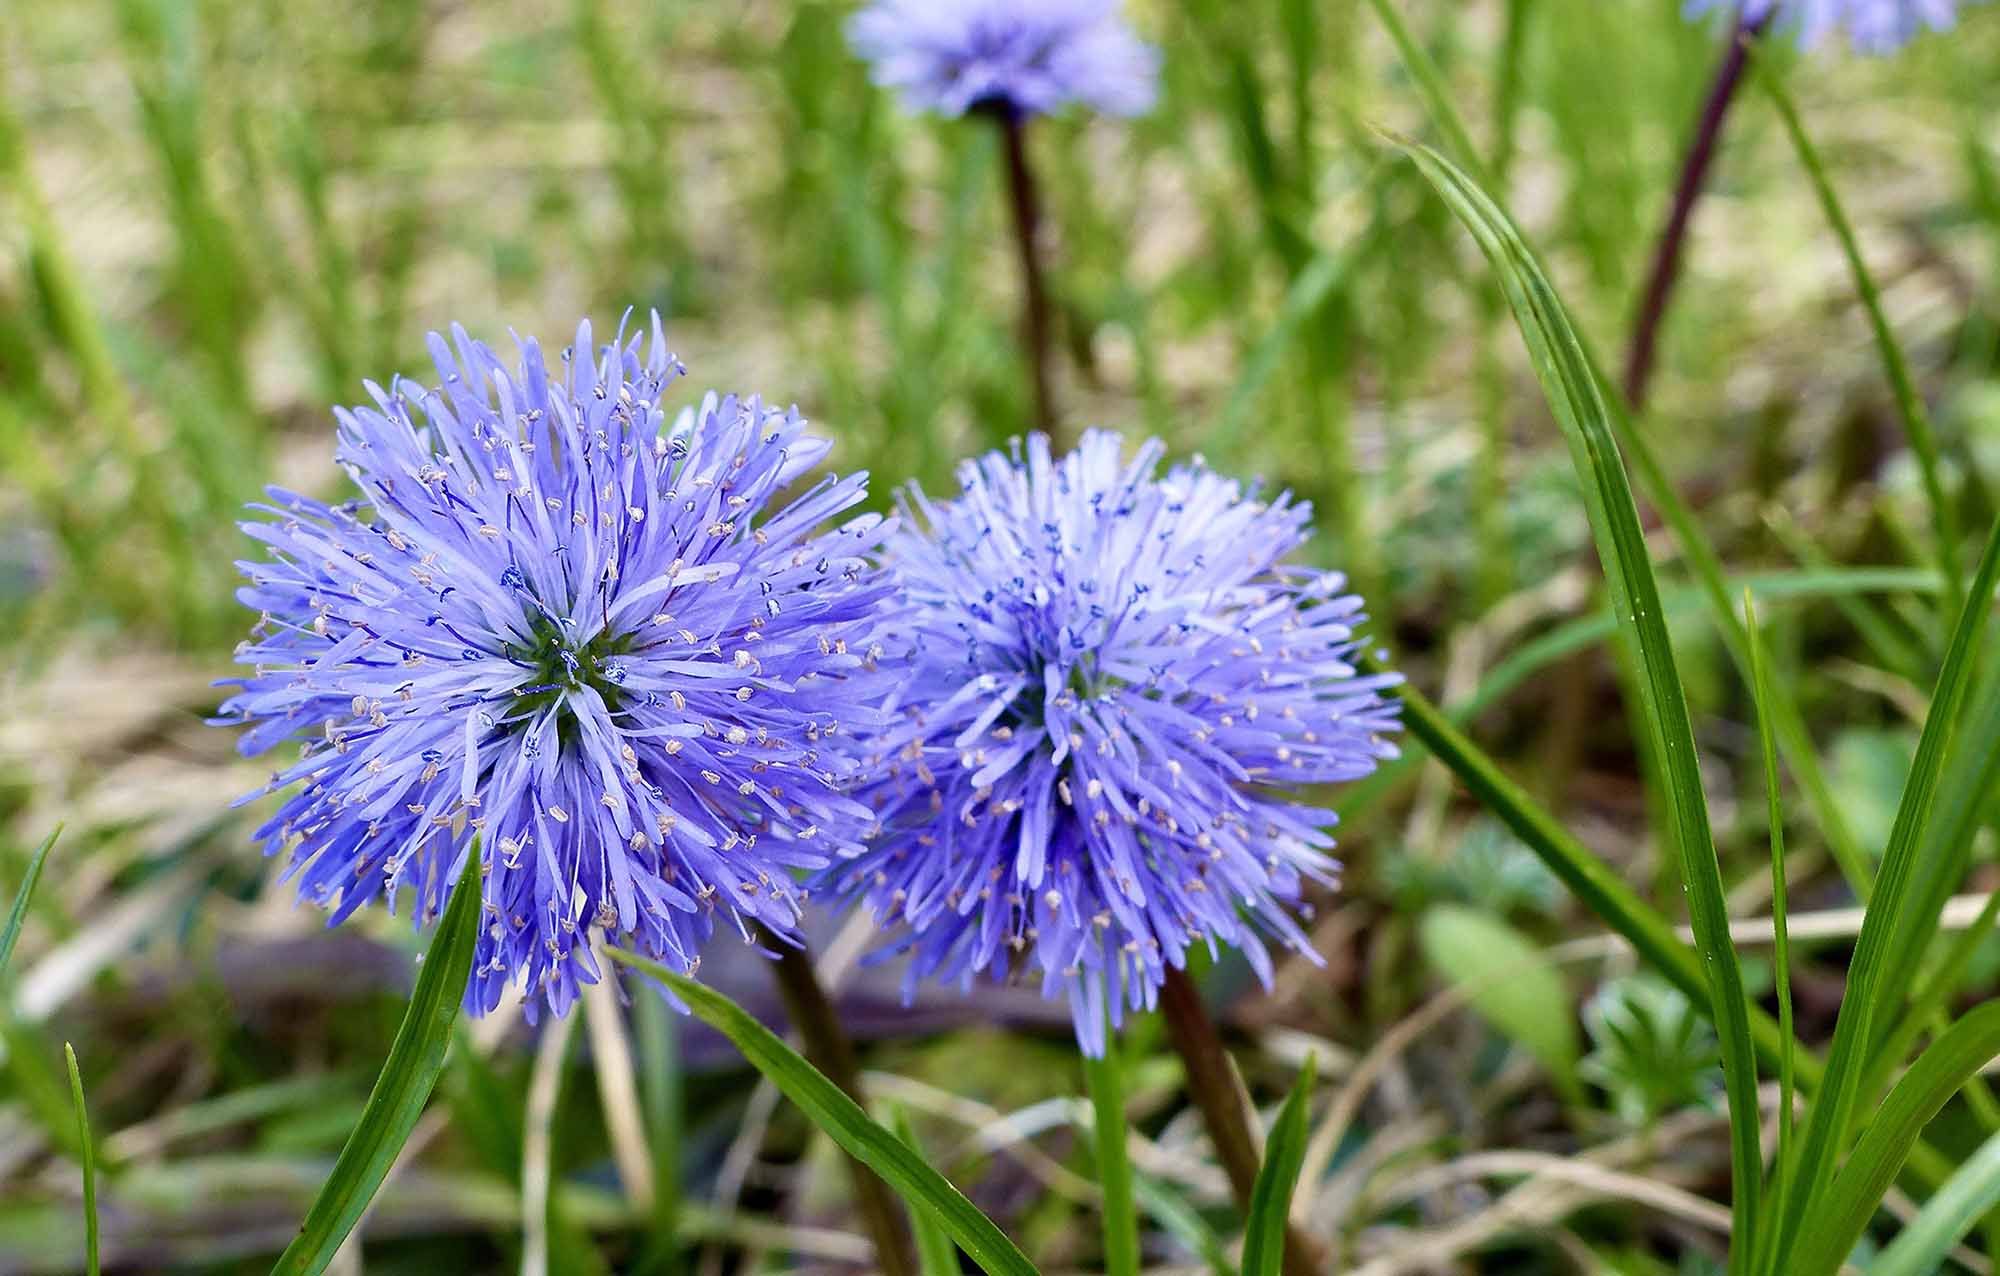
[(1271, 1196), (935, 1254), (89, 1148), (1919, 1249), (1868, 998), (1844, 1208), (1509, 981), (19, 913), (1105, 1081), (1571, 385), (844, 1121), (415, 1059)]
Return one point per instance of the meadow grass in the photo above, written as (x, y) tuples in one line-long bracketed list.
[(1368, 250)]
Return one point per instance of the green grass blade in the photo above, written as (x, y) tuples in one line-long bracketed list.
[(1909, 404), (1964, 795), (1845, 1207), (1928, 1005), (1271, 1197), (1781, 959), (1430, 86), (1587, 876), (1177, 1218), (18, 914), (1105, 1081), (1792, 736), (844, 1121), (656, 1029), (1572, 387), (415, 1059), (1919, 1249), (89, 1150), (1867, 995), (1531, 657), (935, 1253), (1788, 722)]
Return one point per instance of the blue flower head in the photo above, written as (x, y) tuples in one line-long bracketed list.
[(1026, 57), (578, 631), (1118, 687), (1872, 26)]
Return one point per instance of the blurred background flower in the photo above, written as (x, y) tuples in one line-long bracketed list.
[(1021, 57)]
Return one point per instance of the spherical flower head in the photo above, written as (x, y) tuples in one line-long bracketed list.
[(578, 633), (1023, 57), (1872, 26), (1118, 689)]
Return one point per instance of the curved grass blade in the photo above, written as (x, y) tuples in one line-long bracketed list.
[(1909, 404), (1793, 738), (1920, 1247), (1271, 1198), (844, 1121), (83, 1141), (1571, 384), (1845, 1207), (415, 1059), (19, 913), (1104, 1079), (1868, 996), (935, 1254)]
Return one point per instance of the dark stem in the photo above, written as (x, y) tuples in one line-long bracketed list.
[(828, 1048), (1211, 1081), (1036, 330), (1639, 356)]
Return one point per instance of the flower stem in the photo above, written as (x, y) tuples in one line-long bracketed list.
[(1667, 254), (1037, 332), (828, 1048), (1212, 1083)]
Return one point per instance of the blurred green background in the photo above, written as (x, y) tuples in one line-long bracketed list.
[(216, 219)]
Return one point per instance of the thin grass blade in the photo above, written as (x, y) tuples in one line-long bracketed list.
[(1868, 997), (1571, 385), (936, 1256), (1952, 1211), (1909, 404), (844, 1122), (18, 914), (1271, 1197), (83, 1141), (416, 1057), (1965, 791), (1843, 1210), (1793, 739), (1781, 961), (1927, 1007), (1430, 87)]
